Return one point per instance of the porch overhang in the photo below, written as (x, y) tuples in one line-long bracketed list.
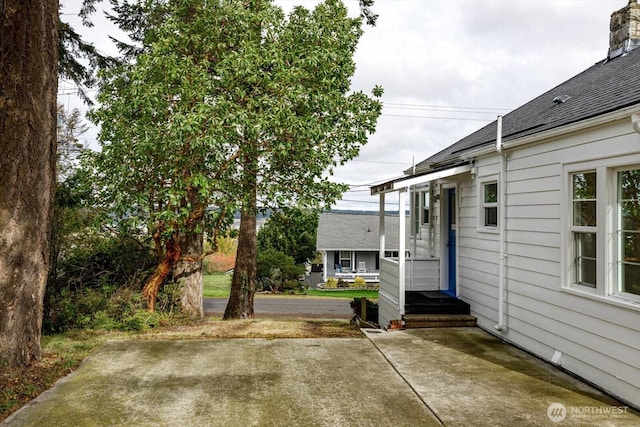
[(406, 182)]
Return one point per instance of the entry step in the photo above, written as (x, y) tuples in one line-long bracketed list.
[(416, 321)]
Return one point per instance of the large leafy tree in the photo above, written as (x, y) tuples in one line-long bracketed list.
[(163, 155), (289, 81), (291, 231), (229, 104), (29, 70)]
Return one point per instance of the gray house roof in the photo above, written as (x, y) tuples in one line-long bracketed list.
[(607, 86), (355, 232)]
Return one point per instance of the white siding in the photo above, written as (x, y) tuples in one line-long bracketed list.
[(599, 340), (422, 274), (388, 295)]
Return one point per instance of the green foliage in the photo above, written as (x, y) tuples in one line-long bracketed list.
[(275, 269), (331, 283), (99, 285), (291, 231), (371, 308), (359, 283)]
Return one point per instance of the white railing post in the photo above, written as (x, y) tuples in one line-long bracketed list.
[(401, 249)]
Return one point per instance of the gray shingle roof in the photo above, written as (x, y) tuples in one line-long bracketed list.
[(349, 231), (607, 86)]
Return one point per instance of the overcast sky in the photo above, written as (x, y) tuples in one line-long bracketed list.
[(448, 67)]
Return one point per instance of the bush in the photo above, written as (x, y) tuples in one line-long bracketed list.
[(275, 269), (372, 310), (218, 263), (331, 283), (359, 283), (100, 287)]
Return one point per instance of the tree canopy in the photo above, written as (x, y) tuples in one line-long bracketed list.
[(291, 231)]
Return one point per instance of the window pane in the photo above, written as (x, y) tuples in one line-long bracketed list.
[(491, 193), (584, 213), (630, 278), (629, 231), (585, 258), (584, 185), (630, 215), (629, 184), (630, 246), (491, 217)]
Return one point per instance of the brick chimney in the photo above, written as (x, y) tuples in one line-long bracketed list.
[(624, 29)]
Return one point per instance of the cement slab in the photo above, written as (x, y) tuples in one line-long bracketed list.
[(468, 377), (239, 382), (452, 377)]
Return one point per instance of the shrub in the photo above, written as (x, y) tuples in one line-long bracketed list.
[(359, 283), (331, 283), (99, 286), (218, 263), (275, 268), (372, 309)]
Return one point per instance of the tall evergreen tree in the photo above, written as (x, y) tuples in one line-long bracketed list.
[(28, 87)]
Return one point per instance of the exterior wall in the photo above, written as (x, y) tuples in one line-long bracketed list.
[(388, 295), (422, 274), (594, 337)]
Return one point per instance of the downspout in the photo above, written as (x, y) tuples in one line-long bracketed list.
[(501, 326)]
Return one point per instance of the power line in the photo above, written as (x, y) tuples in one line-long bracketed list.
[(437, 118), (440, 107)]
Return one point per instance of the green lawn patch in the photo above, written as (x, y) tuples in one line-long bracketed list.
[(216, 285)]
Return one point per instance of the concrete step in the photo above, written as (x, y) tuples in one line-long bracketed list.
[(416, 321)]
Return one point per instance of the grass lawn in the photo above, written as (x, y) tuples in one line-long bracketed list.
[(217, 286)]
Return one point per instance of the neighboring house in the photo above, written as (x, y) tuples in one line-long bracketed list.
[(350, 242), (534, 220)]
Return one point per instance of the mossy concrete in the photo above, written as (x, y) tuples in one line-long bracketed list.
[(468, 377), (453, 377), (241, 382)]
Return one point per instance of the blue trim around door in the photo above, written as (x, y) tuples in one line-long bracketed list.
[(451, 242)]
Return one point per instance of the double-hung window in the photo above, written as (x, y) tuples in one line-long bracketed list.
[(488, 206), (425, 209), (628, 231), (345, 259), (603, 228), (584, 227)]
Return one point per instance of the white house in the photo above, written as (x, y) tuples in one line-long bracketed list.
[(534, 221)]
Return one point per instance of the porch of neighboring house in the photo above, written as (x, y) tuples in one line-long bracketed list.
[(347, 265), (420, 291)]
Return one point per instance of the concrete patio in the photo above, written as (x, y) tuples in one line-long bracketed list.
[(453, 377)]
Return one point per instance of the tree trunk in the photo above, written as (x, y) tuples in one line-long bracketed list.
[(189, 274), (243, 288), (150, 290), (28, 87)]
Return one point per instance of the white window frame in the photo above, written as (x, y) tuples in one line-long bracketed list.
[(490, 179), (418, 197), (606, 230), (345, 258), (425, 205)]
